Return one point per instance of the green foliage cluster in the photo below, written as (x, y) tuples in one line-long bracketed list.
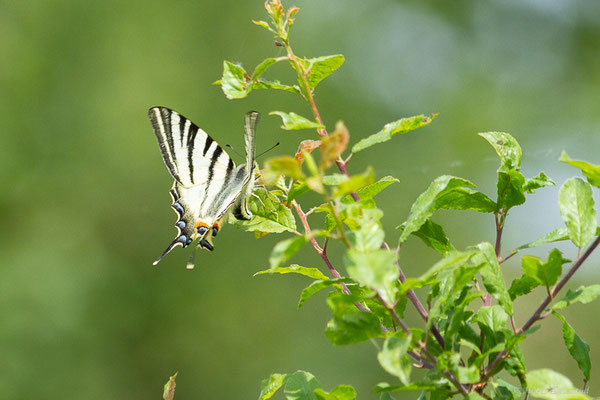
[(469, 334)]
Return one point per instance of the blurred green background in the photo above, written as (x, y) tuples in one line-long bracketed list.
[(85, 204)]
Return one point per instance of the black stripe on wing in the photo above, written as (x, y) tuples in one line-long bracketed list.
[(214, 157), (182, 142), (160, 118), (190, 146)]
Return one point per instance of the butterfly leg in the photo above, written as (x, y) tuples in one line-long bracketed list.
[(205, 244), (203, 232)]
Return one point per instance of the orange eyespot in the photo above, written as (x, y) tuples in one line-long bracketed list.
[(199, 224)]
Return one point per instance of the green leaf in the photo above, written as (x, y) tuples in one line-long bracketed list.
[(281, 166), (370, 191), (356, 182), (262, 67), (578, 348), (494, 317), (341, 392), (320, 68), (367, 233), (235, 81), (554, 236), (293, 121), (492, 277), (427, 202), (583, 294), (504, 390), (386, 396), (590, 171), (169, 388), (394, 359), (507, 147), (311, 165), (297, 189), (400, 126), (548, 384), (375, 270), (468, 374), (544, 273), (450, 297), (452, 260), (301, 385), (319, 285), (451, 360), (269, 215), (272, 385), (350, 325), (510, 189), (475, 396), (295, 269), (386, 387), (284, 250), (433, 236), (577, 210), (335, 179), (522, 286), (531, 185), (265, 84), (264, 24), (465, 198)]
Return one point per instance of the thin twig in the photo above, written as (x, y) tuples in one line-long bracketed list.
[(512, 253), (412, 296), (560, 285), (394, 314), (308, 92), (537, 313), (446, 372)]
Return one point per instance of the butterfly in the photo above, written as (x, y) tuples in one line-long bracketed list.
[(207, 183)]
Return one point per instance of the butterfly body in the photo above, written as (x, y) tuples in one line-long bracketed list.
[(207, 183)]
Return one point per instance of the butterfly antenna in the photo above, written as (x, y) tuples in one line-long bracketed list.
[(234, 150), (268, 150)]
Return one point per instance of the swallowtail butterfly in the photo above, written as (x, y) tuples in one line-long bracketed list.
[(207, 182)]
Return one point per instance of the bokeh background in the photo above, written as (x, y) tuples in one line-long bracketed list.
[(85, 205)]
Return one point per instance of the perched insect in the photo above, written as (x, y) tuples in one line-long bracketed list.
[(207, 183)]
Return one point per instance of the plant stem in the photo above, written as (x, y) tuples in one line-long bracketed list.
[(308, 95), (323, 252), (512, 253), (341, 164), (302, 74), (537, 315), (500, 218), (412, 296), (560, 285), (394, 314), (446, 372)]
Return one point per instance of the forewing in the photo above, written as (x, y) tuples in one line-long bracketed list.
[(191, 155)]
